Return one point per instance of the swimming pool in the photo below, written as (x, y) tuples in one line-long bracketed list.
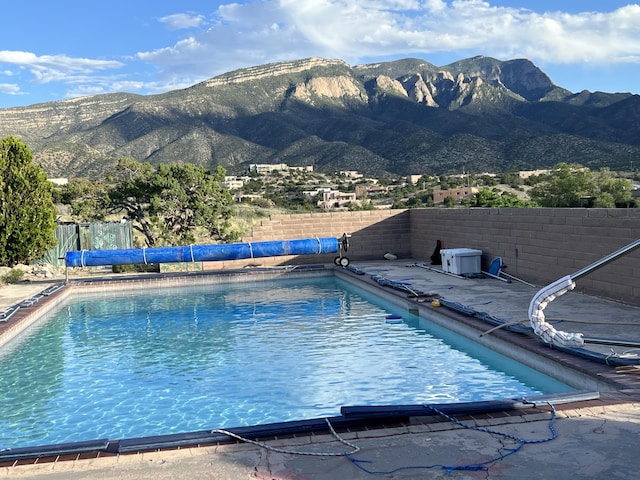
[(129, 364)]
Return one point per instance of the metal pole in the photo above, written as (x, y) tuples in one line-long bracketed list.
[(603, 261), (517, 279)]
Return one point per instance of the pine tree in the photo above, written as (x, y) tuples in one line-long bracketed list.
[(27, 212)]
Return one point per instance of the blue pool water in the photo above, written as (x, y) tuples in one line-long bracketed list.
[(123, 365)]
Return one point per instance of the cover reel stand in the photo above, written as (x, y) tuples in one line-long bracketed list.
[(343, 246)]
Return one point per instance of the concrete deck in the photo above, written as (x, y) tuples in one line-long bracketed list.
[(595, 439)]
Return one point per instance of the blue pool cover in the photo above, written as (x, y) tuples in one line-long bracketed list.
[(201, 253)]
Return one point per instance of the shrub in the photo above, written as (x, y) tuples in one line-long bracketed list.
[(152, 267), (14, 275)]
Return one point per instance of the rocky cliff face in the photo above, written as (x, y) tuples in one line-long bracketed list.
[(402, 117), (337, 87), (271, 70), (37, 122)]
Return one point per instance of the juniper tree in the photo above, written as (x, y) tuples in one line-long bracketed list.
[(27, 211), (170, 203)]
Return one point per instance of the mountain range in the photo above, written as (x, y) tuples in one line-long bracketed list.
[(400, 117)]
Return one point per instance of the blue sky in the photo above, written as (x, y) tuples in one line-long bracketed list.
[(59, 50)]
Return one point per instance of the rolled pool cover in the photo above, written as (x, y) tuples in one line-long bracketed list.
[(201, 253)]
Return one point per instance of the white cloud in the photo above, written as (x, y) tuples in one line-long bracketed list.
[(435, 5), (85, 86), (250, 33), (61, 62), (10, 89), (48, 69), (181, 21), (54, 68), (85, 90), (263, 31)]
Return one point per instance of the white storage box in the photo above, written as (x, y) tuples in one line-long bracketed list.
[(461, 260)]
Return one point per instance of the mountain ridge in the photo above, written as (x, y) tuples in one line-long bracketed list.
[(401, 117)]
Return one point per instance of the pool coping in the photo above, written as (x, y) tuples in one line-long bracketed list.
[(504, 341), (624, 384)]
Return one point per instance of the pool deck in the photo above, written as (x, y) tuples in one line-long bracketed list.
[(596, 438)]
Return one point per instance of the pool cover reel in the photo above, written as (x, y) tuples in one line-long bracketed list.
[(201, 253), (540, 326), (543, 329)]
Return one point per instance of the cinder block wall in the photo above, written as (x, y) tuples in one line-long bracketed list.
[(540, 245), (373, 233)]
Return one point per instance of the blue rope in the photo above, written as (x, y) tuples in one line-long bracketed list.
[(482, 466), (476, 304)]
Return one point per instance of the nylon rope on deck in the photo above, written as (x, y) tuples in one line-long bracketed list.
[(481, 466), (355, 448)]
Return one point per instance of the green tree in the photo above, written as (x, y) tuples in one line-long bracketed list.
[(611, 190), (27, 211), (290, 196), (253, 186), (489, 181), (172, 203), (444, 183), (567, 184), (186, 197), (131, 196), (486, 197), (89, 200), (363, 205), (511, 179), (604, 200)]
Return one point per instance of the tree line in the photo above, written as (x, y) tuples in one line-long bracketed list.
[(168, 205), (175, 204), (182, 204), (566, 185)]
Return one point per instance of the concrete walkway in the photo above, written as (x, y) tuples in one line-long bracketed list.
[(591, 443), (593, 439)]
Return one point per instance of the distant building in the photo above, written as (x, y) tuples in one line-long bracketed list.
[(370, 190), (59, 181), (241, 197), (266, 168), (456, 193), (234, 183), (413, 179), (334, 199), (304, 168), (524, 174), (353, 174), (315, 192)]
